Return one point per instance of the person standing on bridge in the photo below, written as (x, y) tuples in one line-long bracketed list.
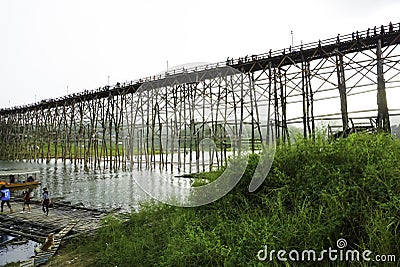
[(5, 198), (45, 201)]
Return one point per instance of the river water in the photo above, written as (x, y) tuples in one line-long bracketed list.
[(93, 189), (96, 189)]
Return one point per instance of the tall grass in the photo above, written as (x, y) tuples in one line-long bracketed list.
[(316, 192)]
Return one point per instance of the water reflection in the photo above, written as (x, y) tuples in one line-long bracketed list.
[(95, 189), (14, 253)]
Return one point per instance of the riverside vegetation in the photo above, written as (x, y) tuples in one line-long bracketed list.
[(316, 192)]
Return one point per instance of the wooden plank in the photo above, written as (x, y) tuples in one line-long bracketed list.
[(27, 263), (43, 256), (38, 238)]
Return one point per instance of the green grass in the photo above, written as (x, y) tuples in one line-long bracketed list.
[(316, 192)]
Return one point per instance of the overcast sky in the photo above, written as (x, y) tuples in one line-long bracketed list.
[(48, 46)]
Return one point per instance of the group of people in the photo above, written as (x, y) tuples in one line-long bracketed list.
[(6, 195), (12, 179)]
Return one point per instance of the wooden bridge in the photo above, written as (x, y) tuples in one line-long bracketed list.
[(164, 120), (64, 221)]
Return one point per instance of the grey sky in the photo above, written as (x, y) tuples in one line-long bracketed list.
[(47, 45)]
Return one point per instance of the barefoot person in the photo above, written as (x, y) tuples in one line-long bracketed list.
[(5, 198), (27, 200), (45, 201)]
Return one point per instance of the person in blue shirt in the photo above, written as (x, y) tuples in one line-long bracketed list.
[(5, 198), (45, 201)]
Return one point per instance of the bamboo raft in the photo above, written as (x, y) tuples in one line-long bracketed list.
[(64, 221)]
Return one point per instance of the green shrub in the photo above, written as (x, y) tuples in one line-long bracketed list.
[(316, 192)]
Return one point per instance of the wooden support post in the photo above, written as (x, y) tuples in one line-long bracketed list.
[(166, 127), (148, 126), (110, 118), (174, 125), (342, 90), (257, 116), (308, 100), (118, 116), (251, 78), (57, 132), (241, 113), (303, 91), (224, 120), (203, 94), (383, 111), (184, 110), (311, 101), (235, 140), (276, 107), (282, 85), (178, 129), (269, 102), (192, 127), (218, 127), (160, 144), (212, 129)]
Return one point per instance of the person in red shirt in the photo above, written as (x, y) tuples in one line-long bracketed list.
[(27, 200)]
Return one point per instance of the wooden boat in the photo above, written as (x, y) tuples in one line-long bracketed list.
[(20, 178), (19, 185)]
